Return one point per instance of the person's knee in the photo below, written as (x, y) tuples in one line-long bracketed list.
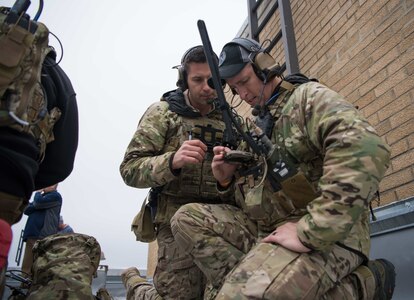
[(186, 217), (182, 225)]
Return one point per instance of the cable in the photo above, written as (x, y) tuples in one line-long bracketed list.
[(61, 48), (39, 11)]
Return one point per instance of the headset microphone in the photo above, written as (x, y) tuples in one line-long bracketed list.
[(256, 110)]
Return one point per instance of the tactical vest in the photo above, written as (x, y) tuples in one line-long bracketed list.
[(259, 199), (23, 104), (195, 182)]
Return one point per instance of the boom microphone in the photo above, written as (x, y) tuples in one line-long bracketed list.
[(256, 110)]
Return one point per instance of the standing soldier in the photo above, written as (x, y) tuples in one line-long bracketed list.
[(171, 151), (316, 166)]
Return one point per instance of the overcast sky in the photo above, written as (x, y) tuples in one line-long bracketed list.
[(119, 56)]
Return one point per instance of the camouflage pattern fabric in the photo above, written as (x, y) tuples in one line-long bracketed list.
[(143, 291), (103, 294), (160, 133), (216, 236), (22, 55), (354, 161), (176, 276), (272, 272), (343, 159), (64, 266)]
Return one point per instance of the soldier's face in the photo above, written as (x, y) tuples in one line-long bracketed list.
[(249, 87), (200, 91)]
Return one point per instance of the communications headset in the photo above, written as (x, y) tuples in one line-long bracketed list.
[(182, 73), (264, 65)]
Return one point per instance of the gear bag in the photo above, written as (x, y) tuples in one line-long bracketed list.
[(142, 224), (22, 51), (64, 266), (36, 96), (23, 103)]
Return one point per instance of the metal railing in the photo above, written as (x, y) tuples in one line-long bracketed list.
[(286, 34)]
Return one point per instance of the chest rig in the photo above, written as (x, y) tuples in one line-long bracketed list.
[(196, 182), (285, 196)]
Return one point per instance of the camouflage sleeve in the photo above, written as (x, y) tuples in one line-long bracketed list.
[(145, 164), (355, 160)]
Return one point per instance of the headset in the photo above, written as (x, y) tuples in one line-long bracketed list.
[(263, 63), (182, 74)]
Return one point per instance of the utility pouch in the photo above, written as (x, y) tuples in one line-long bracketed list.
[(21, 57), (299, 190), (254, 200), (142, 225)]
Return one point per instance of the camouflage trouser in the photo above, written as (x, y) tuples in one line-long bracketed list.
[(176, 276), (143, 291), (218, 236)]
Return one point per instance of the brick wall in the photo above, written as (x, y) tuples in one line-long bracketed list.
[(364, 51)]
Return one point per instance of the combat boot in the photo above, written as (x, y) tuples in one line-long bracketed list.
[(103, 294), (132, 278), (376, 280), (384, 274), (5, 242)]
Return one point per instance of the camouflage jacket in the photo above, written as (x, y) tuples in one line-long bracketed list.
[(160, 133), (342, 159)]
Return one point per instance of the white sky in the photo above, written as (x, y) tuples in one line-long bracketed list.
[(119, 55)]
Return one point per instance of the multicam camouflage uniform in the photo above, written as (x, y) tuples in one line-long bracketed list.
[(342, 161), (160, 133)]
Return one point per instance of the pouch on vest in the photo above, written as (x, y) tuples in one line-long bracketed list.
[(299, 190), (23, 102), (142, 224), (254, 202), (21, 57)]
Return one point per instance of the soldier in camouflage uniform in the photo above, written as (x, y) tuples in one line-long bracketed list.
[(172, 149), (305, 233)]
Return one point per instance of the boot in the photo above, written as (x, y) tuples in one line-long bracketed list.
[(103, 294), (376, 280), (384, 274), (131, 278)]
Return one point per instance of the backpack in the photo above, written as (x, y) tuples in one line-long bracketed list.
[(23, 103), (36, 95), (64, 266)]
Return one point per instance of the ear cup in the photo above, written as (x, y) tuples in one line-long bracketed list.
[(182, 75), (182, 78), (264, 61), (267, 65)]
